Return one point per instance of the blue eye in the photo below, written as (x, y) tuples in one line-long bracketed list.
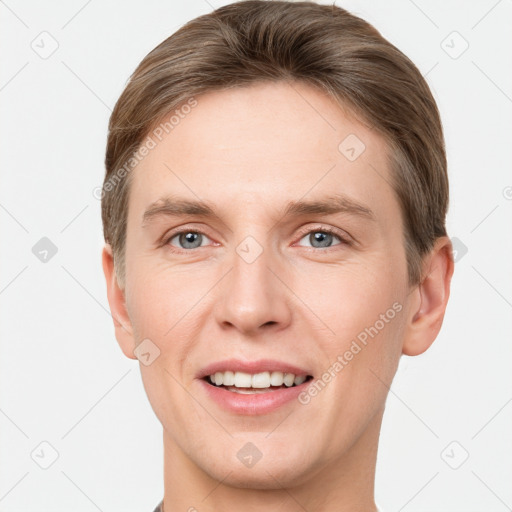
[(321, 238), (188, 239)]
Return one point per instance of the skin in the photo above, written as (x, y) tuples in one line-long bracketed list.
[(248, 152)]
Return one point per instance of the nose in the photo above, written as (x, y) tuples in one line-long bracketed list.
[(253, 298)]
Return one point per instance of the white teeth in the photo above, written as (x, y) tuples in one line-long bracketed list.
[(288, 379), (260, 380), (276, 378), (243, 380), (228, 379), (299, 379)]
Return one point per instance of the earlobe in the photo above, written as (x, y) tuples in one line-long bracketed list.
[(432, 298), (117, 303)]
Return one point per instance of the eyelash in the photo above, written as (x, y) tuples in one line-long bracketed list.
[(330, 231)]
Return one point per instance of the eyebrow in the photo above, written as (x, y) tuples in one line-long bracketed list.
[(170, 206)]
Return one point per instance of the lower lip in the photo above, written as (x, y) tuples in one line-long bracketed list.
[(253, 404)]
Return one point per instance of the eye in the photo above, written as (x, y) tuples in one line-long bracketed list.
[(188, 239), (322, 238)]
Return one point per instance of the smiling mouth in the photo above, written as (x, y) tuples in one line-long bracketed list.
[(248, 384)]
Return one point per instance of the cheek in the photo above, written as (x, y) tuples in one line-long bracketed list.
[(162, 310), (361, 358), (363, 315), (159, 301), (349, 296)]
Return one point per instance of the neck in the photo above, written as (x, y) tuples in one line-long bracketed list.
[(342, 484)]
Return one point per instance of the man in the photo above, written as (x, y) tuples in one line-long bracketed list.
[(274, 214)]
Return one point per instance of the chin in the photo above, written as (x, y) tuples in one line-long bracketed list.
[(277, 468), (266, 477)]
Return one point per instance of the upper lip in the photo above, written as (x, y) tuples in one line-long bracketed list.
[(261, 365)]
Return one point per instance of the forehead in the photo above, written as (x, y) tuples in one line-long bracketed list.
[(264, 144)]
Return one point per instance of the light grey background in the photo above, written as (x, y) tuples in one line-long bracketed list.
[(65, 382)]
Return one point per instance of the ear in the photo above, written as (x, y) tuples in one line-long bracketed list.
[(117, 303), (430, 299)]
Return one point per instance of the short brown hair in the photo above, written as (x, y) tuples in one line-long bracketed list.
[(323, 46)]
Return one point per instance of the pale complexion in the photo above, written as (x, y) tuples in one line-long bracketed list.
[(248, 153)]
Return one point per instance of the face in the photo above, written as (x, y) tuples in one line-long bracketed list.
[(292, 262)]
